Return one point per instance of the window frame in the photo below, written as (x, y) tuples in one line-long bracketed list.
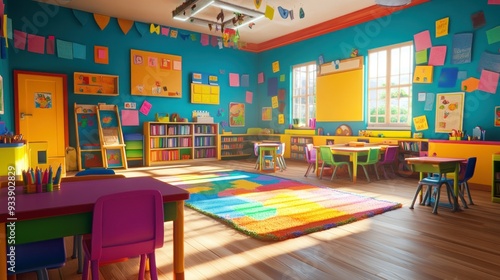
[(307, 95), (388, 87)]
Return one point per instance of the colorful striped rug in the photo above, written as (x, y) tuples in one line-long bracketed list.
[(272, 208)]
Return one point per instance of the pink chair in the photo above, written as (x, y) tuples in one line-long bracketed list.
[(310, 158), (390, 155), (124, 225)]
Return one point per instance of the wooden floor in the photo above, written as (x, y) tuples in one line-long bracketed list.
[(400, 244)]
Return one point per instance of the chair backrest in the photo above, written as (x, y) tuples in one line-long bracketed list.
[(127, 224), (281, 149), (326, 154), (373, 155), (390, 154), (310, 152), (469, 170), (256, 149)]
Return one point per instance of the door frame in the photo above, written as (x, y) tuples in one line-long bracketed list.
[(65, 99)]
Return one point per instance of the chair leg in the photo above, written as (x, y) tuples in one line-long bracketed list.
[(376, 171), (436, 203), (78, 240), (152, 266), (366, 173), (466, 189), (311, 165), (334, 172), (419, 189), (142, 266), (349, 171), (95, 270), (85, 272), (321, 173), (385, 172)]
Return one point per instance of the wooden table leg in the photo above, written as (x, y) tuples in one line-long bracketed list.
[(354, 166), (179, 242)]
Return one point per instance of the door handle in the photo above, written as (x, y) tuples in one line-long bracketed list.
[(25, 115)]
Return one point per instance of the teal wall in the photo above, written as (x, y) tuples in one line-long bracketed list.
[(45, 20), (397, 28)]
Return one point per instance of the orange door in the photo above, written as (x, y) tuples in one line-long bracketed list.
[(41, 116)]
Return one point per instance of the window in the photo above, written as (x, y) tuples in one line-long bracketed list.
[(390, 74), (304, 93)]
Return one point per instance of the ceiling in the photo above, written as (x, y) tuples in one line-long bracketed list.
[(265, 30)]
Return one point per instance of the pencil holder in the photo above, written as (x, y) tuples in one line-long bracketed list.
[(455, 138)]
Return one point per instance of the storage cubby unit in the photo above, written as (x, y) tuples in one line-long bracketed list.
[(134, 148), (410, 148), (495, 187), (169, 142), (297, 147), (241, 145)]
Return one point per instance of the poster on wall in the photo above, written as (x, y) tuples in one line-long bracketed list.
[(449, 111), (267, 113), (1, 96), (155, 74), (497, 115), (236, 114)]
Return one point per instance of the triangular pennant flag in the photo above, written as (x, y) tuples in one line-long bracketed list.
[(269, 12), (125, 25), (154, 29), (183, 36), (101, 20), (257, 3), (214, 41), (82, 17), (165, 31), (141, 28), (193, 37)]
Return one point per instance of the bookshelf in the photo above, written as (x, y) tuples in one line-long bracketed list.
[(297, 147), (168, 142), (495, 187), (410, 148), (241, 145)]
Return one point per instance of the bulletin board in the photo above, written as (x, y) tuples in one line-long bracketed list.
[(449, 111), (96, 84), (155, 74), (205, 94), (339, 91)]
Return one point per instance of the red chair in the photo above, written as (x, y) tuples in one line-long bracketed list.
[(390, 156), (124, 225)]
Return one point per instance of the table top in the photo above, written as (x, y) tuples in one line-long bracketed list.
[(352, 149), (268, 144), (80, 196), (433, 160)]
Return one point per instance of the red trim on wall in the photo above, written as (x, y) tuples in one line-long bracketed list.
[(345, 21), (65, 99)]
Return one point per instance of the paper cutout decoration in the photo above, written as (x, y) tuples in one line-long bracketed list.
[(283, 12), (489, 61), (204, 40), (101, 20), (183, 36), (269, 12), (302, 14), (173, 33), (471, 84), (421, 96), (489, 81), (274, 102), (141, 28), (420, 123), (130, 117), (154, 29), (281, 94), (145, 107), (448, 77), (234, 80), (257, 3), (437, 56), (423, 74), (4, 26), (249, 97), (125, 25), (82, 17), (420, 57), (245, 80), (64, 49), (3, 48), (442, 26), (462, 75), (281, 107), (101, 55), (276, 66), (214, 41), (50, 45), (493, 2), (165, 31), (36, 44), (497, 115), (493, 35), (422, 40), (478, 20), (462, 48), (20, 39), (429, 102), (272, 86), (267, 113), (281, 119), (9, 28), (260, 78), (193, 37), (79, 51)]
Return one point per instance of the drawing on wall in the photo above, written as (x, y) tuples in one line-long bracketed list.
[(497, 116), (236, 114), (43, 100), (267, 113), (1, 95), (449, 111), (155, 74)]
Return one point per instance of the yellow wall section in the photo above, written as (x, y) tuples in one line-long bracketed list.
[(483, 172), (339, 96)]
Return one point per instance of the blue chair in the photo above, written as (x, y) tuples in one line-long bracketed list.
[(433, 184), (39, 257), (470, 166)]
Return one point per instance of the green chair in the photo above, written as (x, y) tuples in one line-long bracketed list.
[(328, 159), (371, 159)]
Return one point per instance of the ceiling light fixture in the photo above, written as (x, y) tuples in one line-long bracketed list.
[(190, 8), (392, 3)]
